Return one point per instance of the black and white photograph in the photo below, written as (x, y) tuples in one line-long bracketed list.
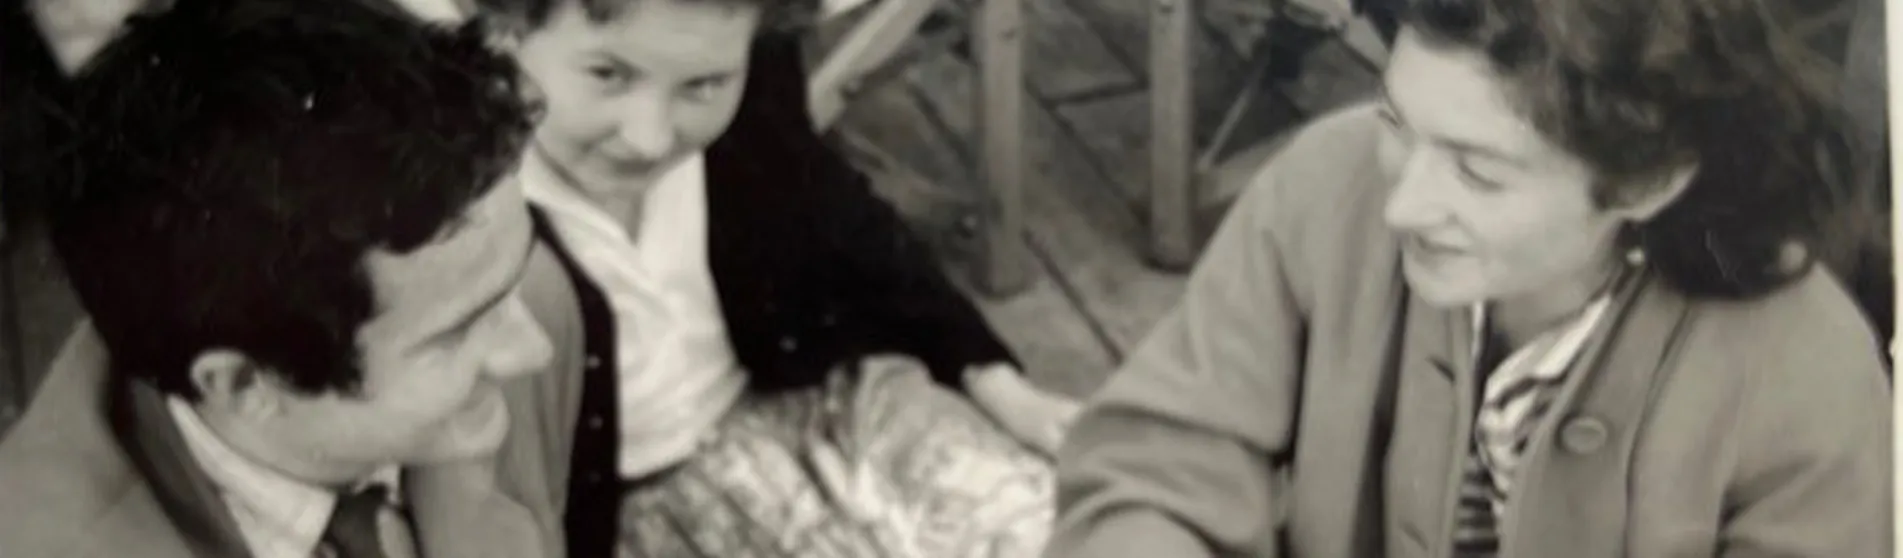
[(947, 279)]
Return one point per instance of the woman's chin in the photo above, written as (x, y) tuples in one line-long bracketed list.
[(1440, 289)]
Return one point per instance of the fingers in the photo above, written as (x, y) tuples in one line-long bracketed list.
[(837, 479), (1063, 413)]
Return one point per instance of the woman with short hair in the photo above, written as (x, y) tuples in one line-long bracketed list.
[(1552, 296)]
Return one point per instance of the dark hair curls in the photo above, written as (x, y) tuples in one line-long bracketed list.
[(1638, 88)]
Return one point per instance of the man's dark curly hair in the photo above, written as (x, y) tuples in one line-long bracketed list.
[(238, 160), (1639, 87)]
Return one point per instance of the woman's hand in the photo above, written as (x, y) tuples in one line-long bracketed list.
[(1035, 417)]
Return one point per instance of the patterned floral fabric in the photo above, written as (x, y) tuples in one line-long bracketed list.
[(879, 464)]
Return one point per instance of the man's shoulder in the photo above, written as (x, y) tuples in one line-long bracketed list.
[(67, 488), (64, 510), (69, 492)]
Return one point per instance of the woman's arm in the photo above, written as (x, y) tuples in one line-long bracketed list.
[(1174, 456)]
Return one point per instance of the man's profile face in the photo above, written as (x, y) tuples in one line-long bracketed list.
[(449, 327)]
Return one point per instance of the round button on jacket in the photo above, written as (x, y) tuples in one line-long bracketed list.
[(1584, 434)]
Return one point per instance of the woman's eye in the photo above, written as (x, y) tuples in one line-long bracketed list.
[(607, 74), (702, 90), (1478, 181)]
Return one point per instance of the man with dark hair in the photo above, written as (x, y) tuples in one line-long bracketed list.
[(285, 222)]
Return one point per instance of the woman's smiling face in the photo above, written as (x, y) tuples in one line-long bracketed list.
[(1485, 206), (630, 94)]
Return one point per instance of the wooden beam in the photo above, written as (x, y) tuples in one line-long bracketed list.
[(1002, 266), (1086, 240), (841, 73), (1172, 118)]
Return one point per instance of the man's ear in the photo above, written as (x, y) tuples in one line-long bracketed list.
[(1648, 200), (228, 380)]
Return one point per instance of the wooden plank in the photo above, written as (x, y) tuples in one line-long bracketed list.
[(1123, 24), (1050, 336), (999, 33), (1115, 131), (872, 39), (1086, 231), (1333, 76), (891, 117), (936, 213), (1172, 185), (1120, 142), (1068, 57), (922, 173), (1046, 331)]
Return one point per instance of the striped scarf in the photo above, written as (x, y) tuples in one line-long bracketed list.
[(1515, 397)]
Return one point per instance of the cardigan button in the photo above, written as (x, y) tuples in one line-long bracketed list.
[(1584, 435), (789, 344), (593, 362)]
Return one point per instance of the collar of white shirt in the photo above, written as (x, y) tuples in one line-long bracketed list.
[(1552, 352), (674, 205), (278, 516)]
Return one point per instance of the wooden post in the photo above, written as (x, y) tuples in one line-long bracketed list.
[(1002, 266), (1172, 184)]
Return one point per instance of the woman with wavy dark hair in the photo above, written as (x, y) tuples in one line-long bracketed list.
[(1553, 295)]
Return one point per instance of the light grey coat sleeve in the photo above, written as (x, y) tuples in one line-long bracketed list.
[(1174, 456)]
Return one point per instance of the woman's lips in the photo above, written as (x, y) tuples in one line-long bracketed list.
[(631, 167), (1423, 247)]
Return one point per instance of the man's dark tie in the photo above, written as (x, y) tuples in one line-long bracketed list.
[(353, 530)]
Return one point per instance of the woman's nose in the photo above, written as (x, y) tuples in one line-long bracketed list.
[(648, 129), (1416, 200)]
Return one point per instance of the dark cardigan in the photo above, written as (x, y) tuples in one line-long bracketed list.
[(812, 271), (811, 268)]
